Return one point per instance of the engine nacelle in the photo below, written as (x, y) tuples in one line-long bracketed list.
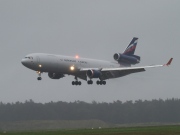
[(93, 73), (55, 75), (128, 59)]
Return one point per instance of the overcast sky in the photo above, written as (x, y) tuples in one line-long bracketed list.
[(93, 29)]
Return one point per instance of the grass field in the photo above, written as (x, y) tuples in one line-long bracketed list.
[(156, 130)]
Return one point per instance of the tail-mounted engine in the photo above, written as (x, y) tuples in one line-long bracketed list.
[(93, 73), (55, 75), (128, 59)]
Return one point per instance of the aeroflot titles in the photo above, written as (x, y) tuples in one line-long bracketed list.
[(68, 60)]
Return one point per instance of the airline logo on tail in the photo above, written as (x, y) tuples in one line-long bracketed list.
[(131, 47)]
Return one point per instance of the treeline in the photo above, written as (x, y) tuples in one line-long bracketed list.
[(116, 112)]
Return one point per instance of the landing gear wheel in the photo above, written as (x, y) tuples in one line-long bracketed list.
[(104, 82), (76, 82), (101, 82), (90, 82), (39, 74), (79, 83), (73, 83), (39, 78)]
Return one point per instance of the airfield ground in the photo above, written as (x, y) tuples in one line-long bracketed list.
[(154, 130)]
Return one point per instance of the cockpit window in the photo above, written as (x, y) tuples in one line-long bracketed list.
[(29, 57)]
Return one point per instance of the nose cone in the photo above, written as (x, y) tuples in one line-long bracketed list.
[(25, 62)]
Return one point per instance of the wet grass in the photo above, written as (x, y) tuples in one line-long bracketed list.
[(156, 130)]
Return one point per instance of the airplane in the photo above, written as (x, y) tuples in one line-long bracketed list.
[(87, 69)]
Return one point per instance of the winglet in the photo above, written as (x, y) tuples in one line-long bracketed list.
[(169, 62)]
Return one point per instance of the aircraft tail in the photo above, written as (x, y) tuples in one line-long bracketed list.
[(131, 47), (127, 58)]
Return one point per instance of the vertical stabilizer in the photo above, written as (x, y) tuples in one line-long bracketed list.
[(131, 47)]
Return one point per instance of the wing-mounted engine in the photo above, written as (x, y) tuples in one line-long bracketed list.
[(55, 75), (127, 59), (93, 73)]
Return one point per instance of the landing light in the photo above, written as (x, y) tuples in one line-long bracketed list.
[(72, 68), (38, 72), (40, 66), (76, 56)]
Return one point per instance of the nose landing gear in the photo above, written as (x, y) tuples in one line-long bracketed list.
[(39, 78)]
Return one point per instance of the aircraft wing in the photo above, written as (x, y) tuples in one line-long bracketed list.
[(130, 68), (127, 68), (122, 71), (137, 68)]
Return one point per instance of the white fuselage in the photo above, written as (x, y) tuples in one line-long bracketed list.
[(63, 64)]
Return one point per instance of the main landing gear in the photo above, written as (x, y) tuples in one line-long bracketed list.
[(101, 82), (39, 78), (76, 82), (98, 82), (89, 82)]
